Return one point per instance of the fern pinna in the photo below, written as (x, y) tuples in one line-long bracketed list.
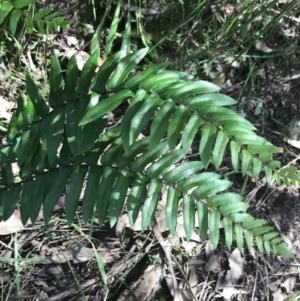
[(61, 143)]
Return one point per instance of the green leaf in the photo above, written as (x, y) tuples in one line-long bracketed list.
[(26, 196), (23, 3), (142, 116), (214, 223), (190, 131), (50, 26), (262, 230), (118, 195), (239, 236), (263, 148), (267, 247), (274, 164), (38, 101), (265, 156), (112, 30), (104, 72), (56, 83), (21, 114), (284, 251), (247, 157), (51, 16), (29, 143), (105, 106), (225, 117), (12, 129), (160, 123), (135, 198), (270, 236), (234, 208), (259, 243), (41, 27), (71, 78), (161, 79), (150, 203), (256, 168), (53, 128), (58, 186), (254, 224), (88, 200), (173, 196), (206, 142), (5, 9), (228, 231), (104, 194), (188, 215), (235, 150), (190, 88), (224, 199), (146, 41), (144, 75), (7, 175), (72, 124), (252, 139), (30, 113), (124, 67), (249, 240), (127, 34), (276, 240), (3, 197), (37, 162), (288, 171), (14, 19), (241, 217), (139, 147), (197, 180), (210, 188), (87, 135), (29, 24), (73, 191), (219, 149), (11, 200), (39, 15), (148, 157), (135, 105), (202, 210), (182, 171), (216, 99), (87, 73), (176, 125), (39, 194), (268, 172), (164, 163)]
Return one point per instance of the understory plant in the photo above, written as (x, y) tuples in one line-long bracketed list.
[(63, 144)]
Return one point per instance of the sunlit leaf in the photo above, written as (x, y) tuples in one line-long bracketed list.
[(188, 215), (150, 203), (172, 208)]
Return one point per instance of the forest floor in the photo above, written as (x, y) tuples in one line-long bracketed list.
[(60, 261)]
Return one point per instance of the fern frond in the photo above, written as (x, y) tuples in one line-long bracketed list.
[(60, 143)]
